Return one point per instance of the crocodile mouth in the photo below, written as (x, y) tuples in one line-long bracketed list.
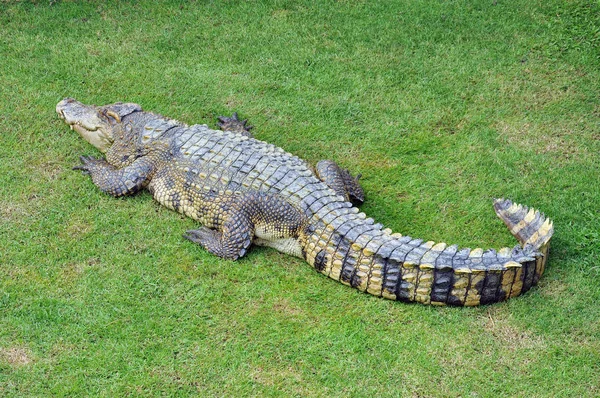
[(87, 121)]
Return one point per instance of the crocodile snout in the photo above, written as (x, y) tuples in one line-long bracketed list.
[(87, 121)]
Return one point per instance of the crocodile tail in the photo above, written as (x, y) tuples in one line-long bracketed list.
[(529, 226), (484, 277), (357, 252)]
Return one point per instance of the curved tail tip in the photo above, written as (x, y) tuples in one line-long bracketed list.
[(529, 226)]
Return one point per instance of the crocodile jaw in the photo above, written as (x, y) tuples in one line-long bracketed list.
[(87, 121)]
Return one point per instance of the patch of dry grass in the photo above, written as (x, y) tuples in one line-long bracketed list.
[(16, 356)]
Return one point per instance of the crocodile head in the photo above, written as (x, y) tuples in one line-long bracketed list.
[(95, 123)]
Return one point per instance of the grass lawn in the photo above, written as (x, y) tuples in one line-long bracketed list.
[(441, 105)]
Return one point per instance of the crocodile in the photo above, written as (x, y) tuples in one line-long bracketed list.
[(244, 191)]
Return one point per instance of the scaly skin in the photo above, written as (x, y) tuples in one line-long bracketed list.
[(244, 191)]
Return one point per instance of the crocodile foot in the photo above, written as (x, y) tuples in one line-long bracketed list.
[(88, 163), (341, 181), (201, 235), (214, 242), (235, 125)]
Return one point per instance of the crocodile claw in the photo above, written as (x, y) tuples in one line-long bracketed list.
[(234, 124), (87, 163), (201, 235)]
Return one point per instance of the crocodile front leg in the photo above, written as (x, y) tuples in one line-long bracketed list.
[(243, 217), (234, 124), (114, 181)]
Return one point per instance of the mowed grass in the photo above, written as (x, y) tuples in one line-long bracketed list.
[(441, 105)]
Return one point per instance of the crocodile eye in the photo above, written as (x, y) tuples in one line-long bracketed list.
[(125, 158), (114, 115)]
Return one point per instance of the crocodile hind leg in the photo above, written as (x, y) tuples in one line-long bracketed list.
[(235, 125), (340, 180), (231, 243), (239, 219)]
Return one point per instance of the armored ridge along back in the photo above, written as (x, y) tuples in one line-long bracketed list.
[(244, 191)]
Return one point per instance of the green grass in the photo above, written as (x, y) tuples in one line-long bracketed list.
[(441, 105)]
